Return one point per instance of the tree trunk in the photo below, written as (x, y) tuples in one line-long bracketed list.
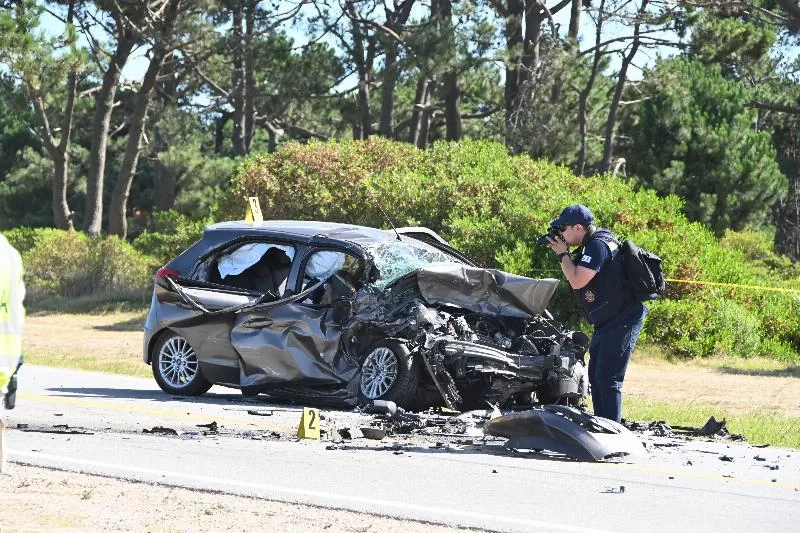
[(117, 215), (104, 104), (574, 20), (239, 132), (583, 100), (363, 59), (387, 90), (249, 96), (420, 120), (513, 31), (59, 153), (62, 216), (611, 122), (395, 21), (450, 89)]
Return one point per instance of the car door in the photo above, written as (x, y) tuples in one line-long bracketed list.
[(294, 342), (223, 287)]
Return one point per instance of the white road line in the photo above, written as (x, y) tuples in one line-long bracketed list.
[(216, 482)]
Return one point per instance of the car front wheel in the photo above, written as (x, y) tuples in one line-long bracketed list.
[(389, 372), (176, 368)]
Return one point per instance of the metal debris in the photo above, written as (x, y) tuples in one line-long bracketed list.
[(566, 430), (211, 427), (160, 430), (255, 412), (59, 429), (373, 433)]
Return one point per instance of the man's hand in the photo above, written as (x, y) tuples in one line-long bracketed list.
[(558, 245)]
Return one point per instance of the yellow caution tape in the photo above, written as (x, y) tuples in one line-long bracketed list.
[(719, 284), (732, 285)]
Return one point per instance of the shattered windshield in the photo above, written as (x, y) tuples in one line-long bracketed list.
[(395, 259)]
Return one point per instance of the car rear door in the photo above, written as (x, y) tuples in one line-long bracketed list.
[(205, 308)]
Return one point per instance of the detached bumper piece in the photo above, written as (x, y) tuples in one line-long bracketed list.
[(566, 430)]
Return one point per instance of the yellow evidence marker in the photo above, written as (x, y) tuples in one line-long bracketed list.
[(309, 424), (253, 213)]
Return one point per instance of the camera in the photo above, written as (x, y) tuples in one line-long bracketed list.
[(552, 232)]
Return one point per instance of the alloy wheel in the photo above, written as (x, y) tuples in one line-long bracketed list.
[(378, 373), (177, 362)]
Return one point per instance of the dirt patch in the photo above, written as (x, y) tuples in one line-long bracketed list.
[(733, 393), (38, 499), (110, 342)]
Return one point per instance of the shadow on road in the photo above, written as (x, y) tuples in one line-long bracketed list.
[(133, 324)]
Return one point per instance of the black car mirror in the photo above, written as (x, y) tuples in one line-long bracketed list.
[(342, 309)]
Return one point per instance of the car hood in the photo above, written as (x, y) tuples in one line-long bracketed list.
[(485, 291)]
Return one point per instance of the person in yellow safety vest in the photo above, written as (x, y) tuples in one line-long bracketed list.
[(12, 317)]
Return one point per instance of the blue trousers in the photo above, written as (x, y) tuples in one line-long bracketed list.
[(609, 353)]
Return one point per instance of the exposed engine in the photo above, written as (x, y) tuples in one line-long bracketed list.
[(501, 360), (472, 358)]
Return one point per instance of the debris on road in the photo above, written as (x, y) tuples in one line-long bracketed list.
[(59, 429), (566, 430), (160, 430)]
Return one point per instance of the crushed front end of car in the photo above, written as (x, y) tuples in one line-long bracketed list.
[(475, 335)]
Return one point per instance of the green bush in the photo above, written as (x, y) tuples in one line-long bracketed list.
[(23, 239), (493, 207), (70, 264), (172, 233)]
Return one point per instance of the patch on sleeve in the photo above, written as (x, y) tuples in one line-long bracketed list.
[(586, 259)]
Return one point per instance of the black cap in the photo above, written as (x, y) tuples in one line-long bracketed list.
[(574, 214)]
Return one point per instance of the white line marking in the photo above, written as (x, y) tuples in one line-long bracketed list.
[(215, 482)]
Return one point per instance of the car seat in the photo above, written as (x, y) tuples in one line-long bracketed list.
[(272, 271)]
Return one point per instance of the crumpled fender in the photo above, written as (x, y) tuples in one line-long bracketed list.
[(566, 430)]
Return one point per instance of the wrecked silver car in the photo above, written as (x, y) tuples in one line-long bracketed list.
[(336, 314)]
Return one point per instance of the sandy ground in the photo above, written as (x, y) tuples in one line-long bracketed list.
[(36, 499)]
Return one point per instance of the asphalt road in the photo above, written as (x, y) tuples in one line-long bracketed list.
[(97, 423)]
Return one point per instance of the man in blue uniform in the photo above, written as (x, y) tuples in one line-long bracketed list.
[(596, 274)]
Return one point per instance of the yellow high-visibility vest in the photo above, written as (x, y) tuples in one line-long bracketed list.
[(12, 312)]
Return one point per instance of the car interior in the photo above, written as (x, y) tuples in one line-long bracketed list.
[(267, 275)]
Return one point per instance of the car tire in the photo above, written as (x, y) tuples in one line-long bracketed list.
[(388, 372), (176, 368)]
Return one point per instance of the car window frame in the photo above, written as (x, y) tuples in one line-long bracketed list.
[(313, 248), (237, 242)]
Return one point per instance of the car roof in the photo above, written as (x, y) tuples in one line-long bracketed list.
[(304, 230)]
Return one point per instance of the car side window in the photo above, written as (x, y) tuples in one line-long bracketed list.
[(339, 271), (254, 266)]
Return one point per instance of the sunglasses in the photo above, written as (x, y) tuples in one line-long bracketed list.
[(562, 229)]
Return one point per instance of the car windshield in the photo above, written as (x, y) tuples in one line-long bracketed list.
[(395, 259)]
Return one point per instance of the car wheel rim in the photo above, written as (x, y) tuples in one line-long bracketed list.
[(378, 372), (177, 362)]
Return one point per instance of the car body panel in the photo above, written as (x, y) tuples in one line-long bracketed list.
[(291, 343), (486, 291)]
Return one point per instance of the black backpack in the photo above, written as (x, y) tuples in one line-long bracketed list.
[(643, 271)]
